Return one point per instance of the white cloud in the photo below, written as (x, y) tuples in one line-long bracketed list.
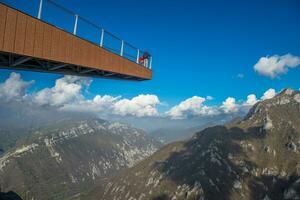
[(65, 90), (251, 100), (194, 107), (275, 65), (229, 105), (209, 97), (14, 87), (67, 95), (191, 107), (99, 104), (270, 93), (140, 106)]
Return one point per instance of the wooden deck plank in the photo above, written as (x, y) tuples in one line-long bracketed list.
[(10, 30), (38, 40), (3, 13), (20, 33), (29, 37)]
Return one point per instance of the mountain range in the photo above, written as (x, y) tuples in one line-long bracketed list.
[(257, 157), (254, 157), (67, 157)]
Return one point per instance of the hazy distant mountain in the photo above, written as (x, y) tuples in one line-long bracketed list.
[(20, 118), (69, 157), (256, 158), (178, 130), (168, 135)]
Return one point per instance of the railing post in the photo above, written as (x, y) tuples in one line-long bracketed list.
[(102, 38), (138, 56), (40, 9), (75, 25), (122, 48), (150, 63)]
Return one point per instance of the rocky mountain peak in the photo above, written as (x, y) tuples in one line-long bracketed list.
[(283, 108)]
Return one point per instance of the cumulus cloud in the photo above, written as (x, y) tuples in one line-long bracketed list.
[(140, 106), (229, 105), (65, 90), (14, 87), (99, 104), (270, 93), (191, 107), (276, 65), (66, 94), (194, 106), (251, 100)]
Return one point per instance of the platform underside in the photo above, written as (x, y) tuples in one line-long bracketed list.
[(19, 62)]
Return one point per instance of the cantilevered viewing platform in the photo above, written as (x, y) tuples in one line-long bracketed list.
[(29, 43)]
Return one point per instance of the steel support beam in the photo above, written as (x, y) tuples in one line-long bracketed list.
[(20, 61), (108, 74), (86, 71), (42, 64), (58, 66), (3, 59), (127, 77)]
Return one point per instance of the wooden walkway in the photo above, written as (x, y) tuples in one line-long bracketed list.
[(27, 43)]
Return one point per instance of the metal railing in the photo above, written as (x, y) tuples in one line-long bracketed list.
[(65, 19)]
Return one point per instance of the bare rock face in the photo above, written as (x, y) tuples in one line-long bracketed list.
[(68, 158), (291, 146), (256, 158)]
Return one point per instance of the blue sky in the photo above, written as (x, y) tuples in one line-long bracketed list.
[(198, 47)]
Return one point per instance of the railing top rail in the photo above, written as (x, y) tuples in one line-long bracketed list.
[(112, 35), (61, 7)]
